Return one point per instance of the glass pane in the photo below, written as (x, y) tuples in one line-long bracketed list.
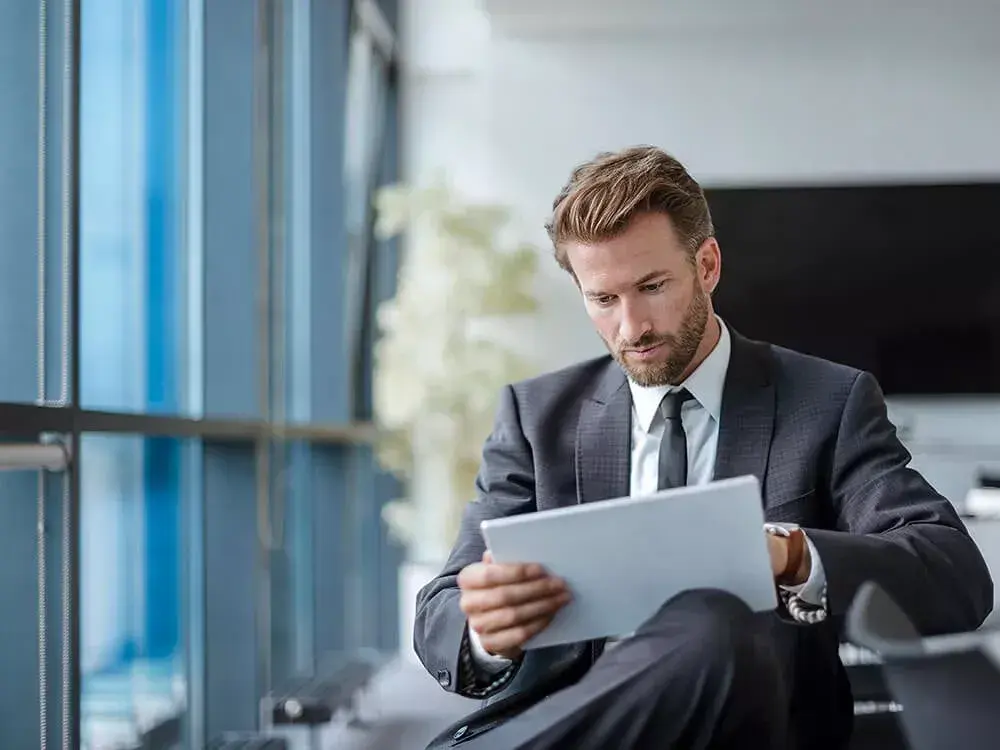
[(31, 590), (367, 91), (293, 349), (225, 205), (132, 654), (290, 538), (132, 297), (34, 250), (373, 558)]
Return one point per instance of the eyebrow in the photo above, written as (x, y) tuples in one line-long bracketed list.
[(639, 282)]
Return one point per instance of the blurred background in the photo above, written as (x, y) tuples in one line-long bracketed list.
[(265, 265)]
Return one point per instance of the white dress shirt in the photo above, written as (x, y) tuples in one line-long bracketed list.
[(700, 416)]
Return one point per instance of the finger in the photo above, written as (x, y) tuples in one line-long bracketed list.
[(487, 557), (513, 638), (489, 575), (493, 621), (511, 595)]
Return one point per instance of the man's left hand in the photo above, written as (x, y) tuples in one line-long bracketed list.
[(777, 547)]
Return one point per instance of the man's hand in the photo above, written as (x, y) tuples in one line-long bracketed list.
[(777, 547), (506, 604)]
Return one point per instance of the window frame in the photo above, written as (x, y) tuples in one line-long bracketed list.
[(260, 433)]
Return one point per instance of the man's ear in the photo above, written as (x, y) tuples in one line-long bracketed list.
[(709, 264)]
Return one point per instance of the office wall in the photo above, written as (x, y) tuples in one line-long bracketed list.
[(827, 94)]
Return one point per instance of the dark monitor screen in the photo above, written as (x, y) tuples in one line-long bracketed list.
[(900, 280)]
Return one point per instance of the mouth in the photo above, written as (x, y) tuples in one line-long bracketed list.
[(647, 352)]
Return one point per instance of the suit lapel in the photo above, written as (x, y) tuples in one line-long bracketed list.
[(603, 440), (747, 419)]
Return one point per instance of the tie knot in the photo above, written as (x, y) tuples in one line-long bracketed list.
[(672, 402)]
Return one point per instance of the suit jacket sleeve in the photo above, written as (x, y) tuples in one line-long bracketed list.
[(505, 486), (895, 529)]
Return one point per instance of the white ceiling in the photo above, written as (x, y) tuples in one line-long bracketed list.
[(552, 17)]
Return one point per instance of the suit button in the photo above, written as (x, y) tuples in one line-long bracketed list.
[(460, 733), (444, 677)]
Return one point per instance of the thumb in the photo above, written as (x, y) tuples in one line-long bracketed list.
[(487, 557)]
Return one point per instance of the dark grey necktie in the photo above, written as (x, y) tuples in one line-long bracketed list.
[(673, 447)]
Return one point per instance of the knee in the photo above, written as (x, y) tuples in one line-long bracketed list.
[(710, 656), (713, 611), (714, 602), (717, 630)]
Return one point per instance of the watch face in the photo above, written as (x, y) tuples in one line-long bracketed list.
[(781, 529)]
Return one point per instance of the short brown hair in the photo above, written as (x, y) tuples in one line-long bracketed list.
[(604, 194)]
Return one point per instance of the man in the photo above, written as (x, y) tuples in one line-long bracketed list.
[(684, 399)]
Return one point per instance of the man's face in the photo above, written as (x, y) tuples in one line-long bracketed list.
[(649, 301)]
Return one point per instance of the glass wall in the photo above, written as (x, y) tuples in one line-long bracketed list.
[(131, 653), (188, 279), (131, 124)]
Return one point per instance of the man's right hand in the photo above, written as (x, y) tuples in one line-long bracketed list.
[(506, 604)]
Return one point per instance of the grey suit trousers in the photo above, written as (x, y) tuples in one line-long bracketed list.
[(701, 673)]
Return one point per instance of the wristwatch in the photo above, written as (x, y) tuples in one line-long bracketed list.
[(796, 551), (800, 611)]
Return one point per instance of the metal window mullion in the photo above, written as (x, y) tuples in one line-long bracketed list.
[(71, 378), (51, 456), (300, 226), (194, 209), (41, 516), (22, 419), (263, 86), (194, 366)]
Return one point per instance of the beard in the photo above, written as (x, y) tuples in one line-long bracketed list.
[(682, 347)]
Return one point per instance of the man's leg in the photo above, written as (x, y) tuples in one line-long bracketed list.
[(699, 674)]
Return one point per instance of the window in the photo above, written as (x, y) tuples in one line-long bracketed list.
[(131, 247), (132, 512), (190, 510), (371, 92)]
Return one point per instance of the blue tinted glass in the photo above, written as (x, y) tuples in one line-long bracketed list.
[(132, 299), (34, 249), (132, 655), (32, 635)]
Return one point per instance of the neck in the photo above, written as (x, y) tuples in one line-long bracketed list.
[(709, 339)]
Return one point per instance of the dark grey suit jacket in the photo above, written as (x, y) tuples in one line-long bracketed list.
[(815, 434)]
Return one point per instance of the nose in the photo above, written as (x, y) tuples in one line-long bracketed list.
[(634, 322)]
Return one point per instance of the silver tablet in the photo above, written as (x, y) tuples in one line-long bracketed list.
[(624, 558)]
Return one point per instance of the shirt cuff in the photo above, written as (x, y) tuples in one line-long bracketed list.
[(484, 661), (811, 592)]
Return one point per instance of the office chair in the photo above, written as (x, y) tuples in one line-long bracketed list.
[(949, 686)]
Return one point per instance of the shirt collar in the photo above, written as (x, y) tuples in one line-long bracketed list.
[(705, 384)]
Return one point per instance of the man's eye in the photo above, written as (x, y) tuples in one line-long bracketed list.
[(604, 300), (652, 287)]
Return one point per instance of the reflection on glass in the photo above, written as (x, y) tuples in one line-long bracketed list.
[(131, 297), (367, 92), (22, 513), (34, 256), (291, 562), (131, 635)]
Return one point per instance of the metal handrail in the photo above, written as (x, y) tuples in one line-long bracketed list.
[(51, 456)]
